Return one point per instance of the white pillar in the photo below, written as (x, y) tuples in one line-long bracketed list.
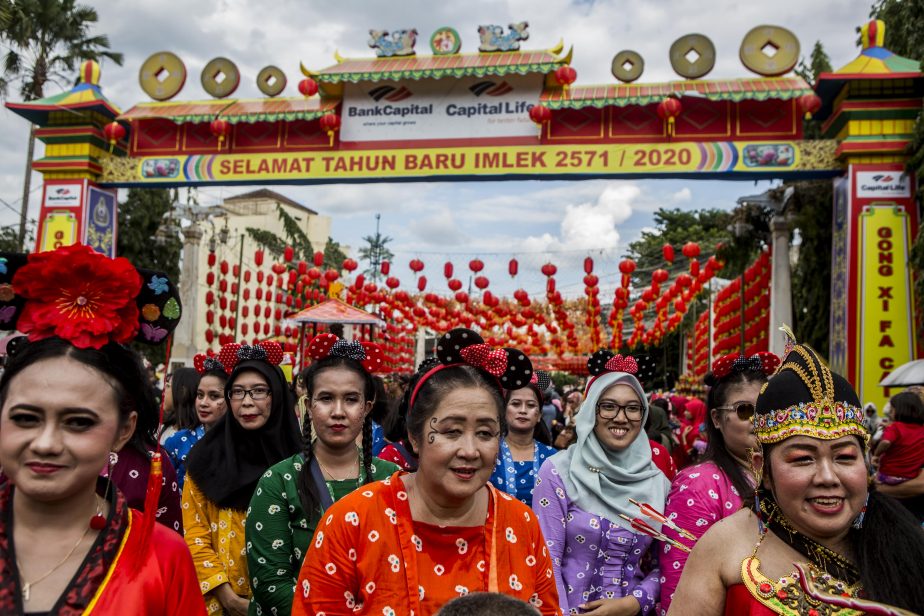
[(780, 283), (185, 338)]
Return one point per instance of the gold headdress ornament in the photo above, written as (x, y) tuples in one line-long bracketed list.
[(805, 398)]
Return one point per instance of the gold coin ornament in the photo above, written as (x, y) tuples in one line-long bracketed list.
[(150, 312), (162, 75), (445, 41), (692, 56), (220, 77), (769, 51), (271, 81), (627, 66)]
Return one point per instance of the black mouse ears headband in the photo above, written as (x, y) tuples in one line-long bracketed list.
[(458, 347), (86, 298)]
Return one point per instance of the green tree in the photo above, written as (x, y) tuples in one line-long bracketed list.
[(45, 41), (294, 236), (818, 63), (375, 251), (140, 216)]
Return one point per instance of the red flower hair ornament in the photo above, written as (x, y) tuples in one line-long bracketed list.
[(368, 354), (84, 297)]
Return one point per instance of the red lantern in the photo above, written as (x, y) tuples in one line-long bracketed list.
[(392, 283), (521, 296), (209, 336), (626, 267), (679, 306), (668, 110), (114, 132), (258, 257), (330, 124), (590, 280), (314, 273), (462, 297), (422, 283), (809, 103), (350, 265), (476, 265), (454, 284), (660, 276), (588, 265), (447, 269), (308, 87), (318, 258), (565, 75), (549, 269), (691, 250), (385, 268), (513, 267), (331, 275), (481, 282), (668, 252), (220, 128), (288, 254), (540, 114)]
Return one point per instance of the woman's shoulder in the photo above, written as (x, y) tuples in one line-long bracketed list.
[(545, 451), (368, 497), (734, 536), (700, 474)]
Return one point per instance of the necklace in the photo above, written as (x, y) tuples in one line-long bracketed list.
[(331, 475), (27, 586)]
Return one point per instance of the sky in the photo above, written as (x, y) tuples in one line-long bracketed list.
[(532, 220)]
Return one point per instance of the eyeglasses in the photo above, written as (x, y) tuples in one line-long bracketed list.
[(611, 410), (744, 410), (257, 393)]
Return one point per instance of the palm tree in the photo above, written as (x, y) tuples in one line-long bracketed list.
[(375, 251), (45, 41)]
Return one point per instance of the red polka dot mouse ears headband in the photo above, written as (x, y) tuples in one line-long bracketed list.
[(231, 354), (541, 380), (86, 298), (458, 347), (367, 354), (764, 361), (604, 361)]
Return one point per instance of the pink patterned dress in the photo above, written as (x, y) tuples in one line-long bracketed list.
[(700, 496)]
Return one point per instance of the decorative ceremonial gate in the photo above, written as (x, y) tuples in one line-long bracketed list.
[(503, 113)]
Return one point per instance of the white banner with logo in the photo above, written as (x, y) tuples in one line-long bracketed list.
[(470, 108), (878, 184), (63, 195)]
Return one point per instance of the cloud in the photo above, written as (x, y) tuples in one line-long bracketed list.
[(440, 229), (682, 196)]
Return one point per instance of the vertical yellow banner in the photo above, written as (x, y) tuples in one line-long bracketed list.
[(60, 229), (886, 329)]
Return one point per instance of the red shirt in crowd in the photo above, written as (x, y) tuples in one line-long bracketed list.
[(906, 455)]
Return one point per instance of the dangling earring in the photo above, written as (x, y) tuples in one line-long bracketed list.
[(98, 521), (858, 523)]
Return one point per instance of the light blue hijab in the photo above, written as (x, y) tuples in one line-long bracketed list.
[(618, 475)]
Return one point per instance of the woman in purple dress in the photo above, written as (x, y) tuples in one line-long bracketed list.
[(601, 565)]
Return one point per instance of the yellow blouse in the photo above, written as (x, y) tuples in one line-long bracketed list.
[(216, 540)]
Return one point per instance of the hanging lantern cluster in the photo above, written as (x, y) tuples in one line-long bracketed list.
[(728, 322)]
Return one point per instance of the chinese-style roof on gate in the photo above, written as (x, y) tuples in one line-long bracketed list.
[(355, 70), (82, 97), (335, 311), (625, 94), (875, 62), (233, 110)]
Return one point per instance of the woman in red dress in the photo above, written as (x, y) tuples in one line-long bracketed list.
[(70, 396), (822, 542), (413, 542)]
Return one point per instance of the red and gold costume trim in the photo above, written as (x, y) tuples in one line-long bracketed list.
[(786, 596)]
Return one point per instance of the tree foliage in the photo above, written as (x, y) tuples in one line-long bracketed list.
[(294, 236), (45, 41), (374, 252), (818, 63)]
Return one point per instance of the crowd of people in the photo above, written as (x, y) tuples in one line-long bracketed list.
[(472, 486)]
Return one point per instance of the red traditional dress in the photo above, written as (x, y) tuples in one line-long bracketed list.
[(370, 557), (121, 574)]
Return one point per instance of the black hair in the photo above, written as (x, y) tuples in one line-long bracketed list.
[(183, 387), (541, 432), (487, 604), (435, 388), (907, 407), (307, 491), (122, 368), (889, 569), (716, 451), (380, 406)]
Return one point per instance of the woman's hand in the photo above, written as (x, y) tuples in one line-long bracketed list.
[(233, 604), (626, 606)]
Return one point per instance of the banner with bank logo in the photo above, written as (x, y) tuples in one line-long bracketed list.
[(471, 108)]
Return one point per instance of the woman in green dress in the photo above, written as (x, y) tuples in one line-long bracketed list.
[(292, 496)]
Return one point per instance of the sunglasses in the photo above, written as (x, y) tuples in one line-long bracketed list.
[(744, 410)]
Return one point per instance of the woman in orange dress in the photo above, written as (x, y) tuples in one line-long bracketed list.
[(411, 543)]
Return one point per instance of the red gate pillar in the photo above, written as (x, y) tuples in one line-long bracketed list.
[(870, 107)]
